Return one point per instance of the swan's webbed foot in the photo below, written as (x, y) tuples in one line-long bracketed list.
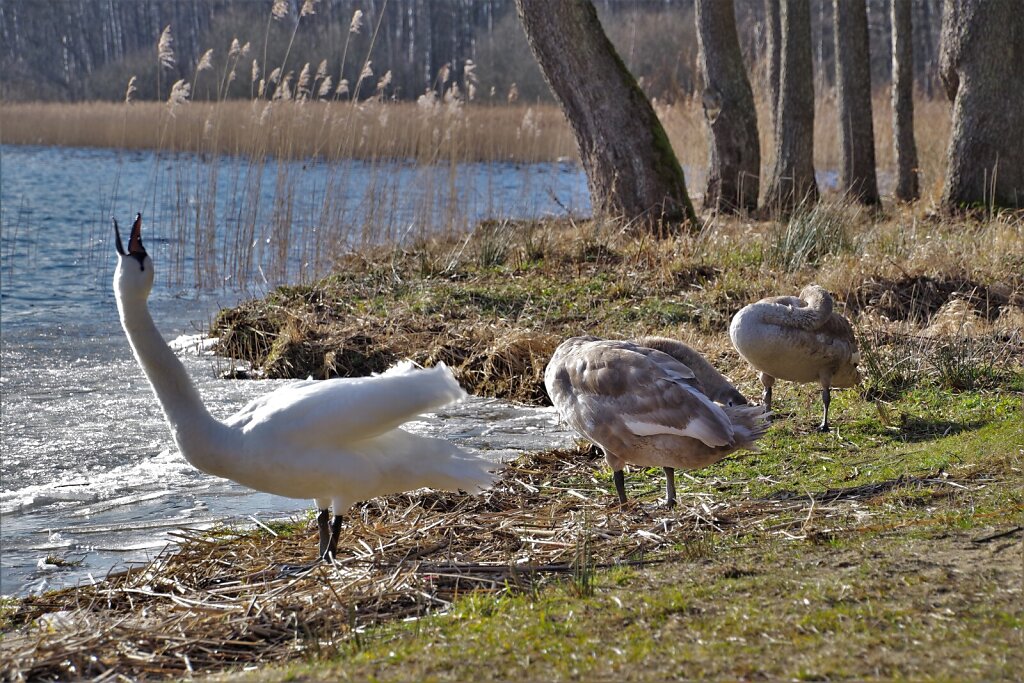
[(297, 569)]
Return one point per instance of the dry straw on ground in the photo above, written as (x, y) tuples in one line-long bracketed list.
[(212, 604)]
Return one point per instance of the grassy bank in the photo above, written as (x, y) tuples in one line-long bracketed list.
[(892, 547), (929, 298)]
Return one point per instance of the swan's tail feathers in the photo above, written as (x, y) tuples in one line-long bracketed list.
[(407, 462), (472, 474), (749, 424), (445, 466)]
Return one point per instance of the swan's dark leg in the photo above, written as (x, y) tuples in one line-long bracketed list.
[(670, 487), (332, 544), (323, 526), (766, 397), (826, 398), (620, 486)]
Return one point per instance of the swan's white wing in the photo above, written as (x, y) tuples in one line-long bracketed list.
[(388, 463), (612, 390), (329, 412)]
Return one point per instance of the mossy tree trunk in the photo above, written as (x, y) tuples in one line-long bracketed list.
[(735, 153), (907, 188), (632, 172), (853, 99), (982, 69), (791, 180)]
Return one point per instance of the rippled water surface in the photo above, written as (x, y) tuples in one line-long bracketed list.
[(88, 471)]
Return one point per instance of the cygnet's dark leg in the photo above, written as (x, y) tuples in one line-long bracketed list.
[(670, 487), (826, 398), (332, 544), (323, 525), (766, 398), (620, 486)]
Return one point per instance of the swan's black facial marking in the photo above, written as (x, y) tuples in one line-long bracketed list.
[(135, 247)]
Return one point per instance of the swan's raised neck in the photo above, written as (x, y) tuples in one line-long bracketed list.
[(202, 439)]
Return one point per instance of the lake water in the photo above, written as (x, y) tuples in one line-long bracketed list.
[(88, 470)]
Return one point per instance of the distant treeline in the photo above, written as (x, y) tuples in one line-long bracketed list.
[(75, 50)]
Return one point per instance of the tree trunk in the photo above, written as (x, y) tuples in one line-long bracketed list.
[(907, 189), (982, 69), (791, 180), (773, 29), (735, 156), (853, 94), (632, 172)]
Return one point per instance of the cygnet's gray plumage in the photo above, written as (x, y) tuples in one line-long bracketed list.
[(799, 339), (650, 403)]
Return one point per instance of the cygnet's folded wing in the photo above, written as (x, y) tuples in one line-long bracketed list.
[(616, 390)]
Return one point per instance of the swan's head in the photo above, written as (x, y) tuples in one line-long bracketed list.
[(729, 396), (134, 275)]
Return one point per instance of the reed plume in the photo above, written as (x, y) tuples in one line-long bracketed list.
[(129, 93), (165, 48)]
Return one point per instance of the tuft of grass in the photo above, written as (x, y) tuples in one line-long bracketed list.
[(963, 363), (813, 232), (494, 242), (890, 364), (583, 569)]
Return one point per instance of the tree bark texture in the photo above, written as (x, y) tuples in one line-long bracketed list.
[(735, 155), (907, 188), (982, 70), (632, 172), (853, 101), (791, 180), (773, 61)]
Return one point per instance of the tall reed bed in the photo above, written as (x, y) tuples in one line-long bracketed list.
[(425, 132), (408, 131)]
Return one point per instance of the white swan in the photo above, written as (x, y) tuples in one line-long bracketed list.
[(336, 441), (799, 339), (647, 407)]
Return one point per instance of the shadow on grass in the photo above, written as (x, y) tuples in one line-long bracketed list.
[(861, 491), (914, 429)]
